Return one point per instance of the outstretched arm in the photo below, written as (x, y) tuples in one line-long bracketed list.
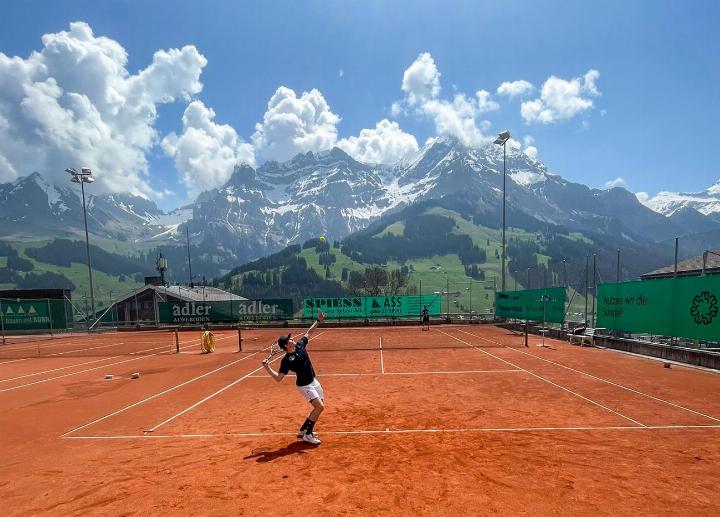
[(275, 375), (320, 318)]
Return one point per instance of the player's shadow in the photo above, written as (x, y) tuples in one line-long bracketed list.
[(265, 455)]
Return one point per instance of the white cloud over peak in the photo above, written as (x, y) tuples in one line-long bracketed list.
[(561, 99), (74, 103), (386, 143), (642, 197), (456, 117), (421, 80), (206, 153), (617, 182), (293, 125), (515, 88)]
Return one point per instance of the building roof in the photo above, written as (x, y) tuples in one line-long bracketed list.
[(689, 267), (187, 294)]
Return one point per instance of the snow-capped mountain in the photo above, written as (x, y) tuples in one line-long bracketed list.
[(260, 211), (32, 206), (707, 202)]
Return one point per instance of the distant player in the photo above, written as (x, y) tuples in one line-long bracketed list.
[(207, 340), (425, 318), (296, 359)]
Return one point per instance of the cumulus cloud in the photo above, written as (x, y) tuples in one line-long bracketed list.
[(74, 103), (642, 197), (561, 100), (456, 117), (421, 80), (206, 153), (386, 143), (515, 88), (617, 182), (293, 125), (485, 102)]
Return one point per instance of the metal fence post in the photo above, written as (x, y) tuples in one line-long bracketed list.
[(50, 316), (2, 322)]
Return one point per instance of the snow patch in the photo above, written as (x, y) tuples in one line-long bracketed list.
[(526, 178)]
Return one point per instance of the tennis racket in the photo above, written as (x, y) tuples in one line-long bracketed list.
[(274, 350)]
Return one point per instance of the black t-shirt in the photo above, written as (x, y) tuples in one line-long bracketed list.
[(299, 362), (425, 314)]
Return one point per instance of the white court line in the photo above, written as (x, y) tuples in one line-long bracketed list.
[(401, 431), (547, 380), (15, 360), (450, 372), (82, 364), (57, 369), (601, 379), (212, 395), (168, 390), (98, 367), (382, 363)]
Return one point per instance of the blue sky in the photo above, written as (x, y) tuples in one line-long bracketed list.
[(652, 117)]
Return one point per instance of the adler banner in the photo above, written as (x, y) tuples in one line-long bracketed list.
[(678, 307), (225, 311)]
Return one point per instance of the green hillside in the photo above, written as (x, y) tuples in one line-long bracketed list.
[(470, 285)]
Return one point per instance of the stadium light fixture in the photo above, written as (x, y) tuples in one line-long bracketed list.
[(502, 140), (82, 177)]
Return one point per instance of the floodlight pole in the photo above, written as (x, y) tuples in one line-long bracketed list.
[(502, 139), (82, 177), (87, 249), (527, 286), (502, 271)]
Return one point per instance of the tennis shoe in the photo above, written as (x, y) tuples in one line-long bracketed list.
[(311, 438)]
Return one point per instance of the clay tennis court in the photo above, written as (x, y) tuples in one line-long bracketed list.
[(457, 420)]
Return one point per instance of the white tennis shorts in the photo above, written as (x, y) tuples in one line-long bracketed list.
[(312, 391)]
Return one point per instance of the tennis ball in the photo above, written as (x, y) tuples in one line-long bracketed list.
[(322, 239)]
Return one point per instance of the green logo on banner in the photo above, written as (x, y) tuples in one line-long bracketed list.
[(532, 304), (704, 308), (683, 307), (371, 306)]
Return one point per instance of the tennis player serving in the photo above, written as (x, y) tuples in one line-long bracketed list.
[(296, 359)]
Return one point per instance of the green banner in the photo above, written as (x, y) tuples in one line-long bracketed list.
[(532, 304), (679, 307), (227, 311), (372, 306), (36, 314)]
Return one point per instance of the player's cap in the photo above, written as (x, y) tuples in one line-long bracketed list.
[(283, 341)]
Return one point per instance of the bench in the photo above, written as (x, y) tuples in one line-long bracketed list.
[(587, 336)]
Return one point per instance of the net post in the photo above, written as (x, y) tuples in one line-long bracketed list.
[(526, 333), (177, 342), (240, 340)]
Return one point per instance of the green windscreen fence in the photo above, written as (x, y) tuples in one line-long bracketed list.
[(678, 307), (368, 307), (532, 304), (35, 315), (225, 311)]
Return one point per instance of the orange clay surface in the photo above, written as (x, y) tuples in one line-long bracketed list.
[(460, 420)]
